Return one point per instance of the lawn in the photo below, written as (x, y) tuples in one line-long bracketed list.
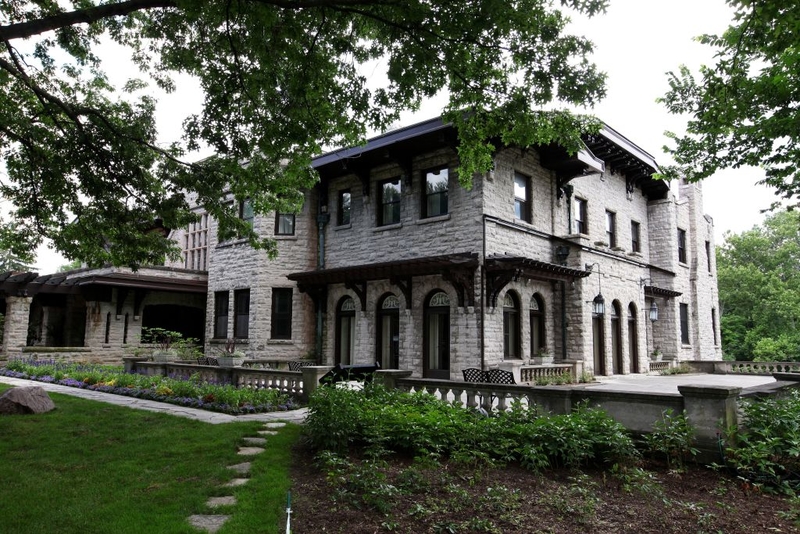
[(90, 467)]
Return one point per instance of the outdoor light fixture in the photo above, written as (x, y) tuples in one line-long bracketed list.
[(653, 311), (598, 303), (562, 251)]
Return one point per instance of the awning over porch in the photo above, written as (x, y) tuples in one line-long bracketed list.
[(458, 269), (654, 291), (500, 270)]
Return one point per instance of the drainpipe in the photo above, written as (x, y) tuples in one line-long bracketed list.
[(322, 219)]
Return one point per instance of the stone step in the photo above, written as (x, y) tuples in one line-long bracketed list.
[(267, 432), (216, 502), (242, 468), (236, 482), (255, 441), (250, 451), (274, 425), (208, 523)]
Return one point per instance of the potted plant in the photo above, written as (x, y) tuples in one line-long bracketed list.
[(230, 357), (163, 340), (656, 354)]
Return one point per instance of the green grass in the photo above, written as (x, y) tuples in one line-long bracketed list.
[(89, 467)]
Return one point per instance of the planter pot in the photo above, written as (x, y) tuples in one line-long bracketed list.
[(163, 356), (230, 361)]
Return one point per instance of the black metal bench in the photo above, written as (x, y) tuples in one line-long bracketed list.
[(207, 361), (492, 376), (347, 373), (297, 365)]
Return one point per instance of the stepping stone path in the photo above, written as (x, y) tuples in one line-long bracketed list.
[(213, 522)]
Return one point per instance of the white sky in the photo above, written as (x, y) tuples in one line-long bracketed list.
[(637, 43)]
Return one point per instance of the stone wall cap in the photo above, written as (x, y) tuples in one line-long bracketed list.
[(709, 391)]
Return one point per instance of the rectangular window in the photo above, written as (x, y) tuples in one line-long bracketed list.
[(281, 313), (434, 196), (708, 255), (241, 325), (284, 224), (221, 314), (195, 244), (581, 219), (685, 324), (522, 197), (681, 245), (636, 245), (611, 229), (246, 211), (389, 195), (714, 323), (343, 208)]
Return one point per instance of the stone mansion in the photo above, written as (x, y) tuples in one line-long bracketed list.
[(547, 258)]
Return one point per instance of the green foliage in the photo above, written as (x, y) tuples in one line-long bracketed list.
[(680, 369), (84, 163), (376, 419), (743, 109), (766, 451), (578, 500), (759, 290), (672, 437)]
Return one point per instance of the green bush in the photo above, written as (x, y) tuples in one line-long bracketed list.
[(375, 419), (672, 437)]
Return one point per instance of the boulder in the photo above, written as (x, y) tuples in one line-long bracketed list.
[(32, 399)]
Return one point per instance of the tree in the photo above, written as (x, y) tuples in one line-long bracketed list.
[(281, 79), (759, 290), (9, 260), (743, 110)]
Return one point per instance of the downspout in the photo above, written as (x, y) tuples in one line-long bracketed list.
[(563, 320), (322, 219)]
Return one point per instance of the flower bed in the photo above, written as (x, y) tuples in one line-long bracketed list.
[(192, 393)]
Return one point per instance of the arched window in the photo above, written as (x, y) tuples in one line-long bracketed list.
[(538, 342), (436, 335), (388, 332), (616, 338), (511, 338), (345, 331), (633, 338)]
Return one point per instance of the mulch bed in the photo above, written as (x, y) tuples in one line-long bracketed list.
[(449, 498)]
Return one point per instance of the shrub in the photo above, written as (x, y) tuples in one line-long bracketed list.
[(672, 436)]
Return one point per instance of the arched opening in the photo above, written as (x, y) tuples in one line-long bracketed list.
[(633, 338), (616, 338), (598, 344), (387, 343), (436, 336), (511, 327), (345, 331), (538, 342)]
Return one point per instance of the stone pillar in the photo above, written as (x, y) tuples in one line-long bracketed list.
[(311, 376), (710, 410), (15, 335), (389, 377)]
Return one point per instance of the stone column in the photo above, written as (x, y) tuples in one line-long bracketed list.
[(710, 410), (311, 376), (15, 335)]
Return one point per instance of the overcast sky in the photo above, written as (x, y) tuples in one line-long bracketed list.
[(637, 43)]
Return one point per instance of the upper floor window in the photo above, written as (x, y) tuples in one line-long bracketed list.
[(221, 314), (281, 313), (581, 219), (284, 223), (681, 245), (195, 244), (636, 245), (241, 304), (708, 254), (246, 211), (611, 228), (522, 197), (389, 195), (343, 208), (434, 196), (684, 309)]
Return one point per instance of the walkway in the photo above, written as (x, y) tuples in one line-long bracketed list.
[(636, 383), (292, 416)]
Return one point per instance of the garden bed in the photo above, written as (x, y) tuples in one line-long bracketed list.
[(192, 393)]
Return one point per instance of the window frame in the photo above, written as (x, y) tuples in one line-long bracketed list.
[(581, 216), (395, 204), (241, 313), (522, 206), (246, 211), (426, 196), (340, 207), (611, 228), (636, 236), (681, 245), (219, 307), (684, 318), (708, 255), (281, 321), (279, 216)]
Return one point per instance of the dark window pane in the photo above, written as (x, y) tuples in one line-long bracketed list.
[(221, 314), (685, 324), (344, 208), (435, 201), (284, 224), (241, 299), (522, 197), (389, 211), (281, 313)]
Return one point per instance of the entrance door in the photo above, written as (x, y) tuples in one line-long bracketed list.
[(388, 341), (436, 336), (598, 345), (616, 339)]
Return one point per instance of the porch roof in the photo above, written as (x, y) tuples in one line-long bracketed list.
[(655, 291), (502, 269)]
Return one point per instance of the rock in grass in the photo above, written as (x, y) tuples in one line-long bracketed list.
[(25, 400)]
